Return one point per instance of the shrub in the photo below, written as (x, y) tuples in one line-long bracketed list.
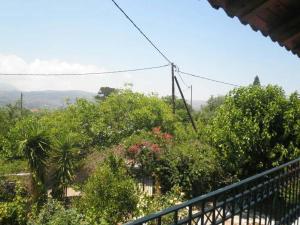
[(109, 194), (54, 213), (193, 166), (13, 204)]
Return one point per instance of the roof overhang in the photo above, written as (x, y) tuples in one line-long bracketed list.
[(278, 19)]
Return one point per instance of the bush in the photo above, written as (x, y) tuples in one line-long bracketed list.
[(150, 204), (13, 204), (109, 194), (54, 213), (192, 166)]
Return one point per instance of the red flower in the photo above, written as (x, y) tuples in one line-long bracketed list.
[(155, 148), (134, 149), (167, 136), (156, 130)]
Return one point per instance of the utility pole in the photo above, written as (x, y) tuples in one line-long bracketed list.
[(185, 104), (21, 103), (191, 96), (173, 87)]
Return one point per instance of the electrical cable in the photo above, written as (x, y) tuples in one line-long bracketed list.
[(209, 79), (83, 74), (139, 29), (187, 86)]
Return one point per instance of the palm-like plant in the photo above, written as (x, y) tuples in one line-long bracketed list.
[(35, 146), (64, 164)]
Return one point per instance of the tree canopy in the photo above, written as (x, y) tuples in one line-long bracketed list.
[(252, 129)]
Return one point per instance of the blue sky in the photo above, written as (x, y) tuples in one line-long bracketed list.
[(80, 35)]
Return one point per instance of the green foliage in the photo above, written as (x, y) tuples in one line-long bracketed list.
[(126, 112), (63, 158), (13, 204), (76, 118), (184, 133), (151, 204), (255, 129), (12, 166), (189, 164), (104, 92), (256, 81), (35, 144), (9, 116), (192, 166), (109, 194), (208, 111), (180, 109), (144, 150), (54, 213)]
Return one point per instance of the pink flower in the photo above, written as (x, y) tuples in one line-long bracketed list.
[(156, 130), (155, 148), (167, 136), (134, 149)]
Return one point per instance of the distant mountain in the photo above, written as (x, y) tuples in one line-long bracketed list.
[(7, 87), (43, 99)]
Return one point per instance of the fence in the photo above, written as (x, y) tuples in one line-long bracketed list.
[(269, 198)]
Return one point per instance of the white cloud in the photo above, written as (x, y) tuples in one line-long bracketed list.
[(15, 64)]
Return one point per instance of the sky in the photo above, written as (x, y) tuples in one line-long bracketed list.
[(77, 36)]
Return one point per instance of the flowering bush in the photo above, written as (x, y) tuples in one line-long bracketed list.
[(144, 150), (144, 156)]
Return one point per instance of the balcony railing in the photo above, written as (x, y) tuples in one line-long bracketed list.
[(272, 197)]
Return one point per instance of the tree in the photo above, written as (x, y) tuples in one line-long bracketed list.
[(35, 146), (208, 111), (256, 81), (109, 194), (251, 129), (77, 118), (104, 92), (63, 161), (9, 116), (126, 112)]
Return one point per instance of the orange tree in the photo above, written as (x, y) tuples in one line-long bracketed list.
[(255, 129)]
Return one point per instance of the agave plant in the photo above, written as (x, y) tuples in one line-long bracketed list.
[(35, 146), (63, 160)]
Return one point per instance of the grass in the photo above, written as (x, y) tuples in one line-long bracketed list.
[(12, 166)]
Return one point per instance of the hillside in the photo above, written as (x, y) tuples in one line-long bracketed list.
[(43, 99)]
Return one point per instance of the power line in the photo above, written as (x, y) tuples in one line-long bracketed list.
[(148, 39), (209, 79), (139, 29), (83, 74), (187, 86)]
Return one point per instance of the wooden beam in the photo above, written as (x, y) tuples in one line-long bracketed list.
[(291, 36), (286, 29), (252, 8)]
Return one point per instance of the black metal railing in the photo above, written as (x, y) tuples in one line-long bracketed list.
[(269, 198)]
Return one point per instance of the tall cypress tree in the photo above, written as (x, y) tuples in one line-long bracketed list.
[(256, 81)]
